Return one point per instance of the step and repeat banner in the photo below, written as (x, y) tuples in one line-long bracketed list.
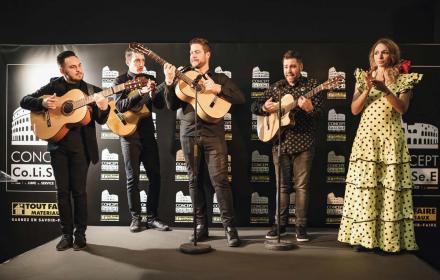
[(28, 200)]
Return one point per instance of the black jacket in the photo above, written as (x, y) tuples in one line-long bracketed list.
[(87, 133)]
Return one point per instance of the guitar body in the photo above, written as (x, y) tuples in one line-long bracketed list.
[(268, 126), (125, 124), (53, 125), (210, 107)]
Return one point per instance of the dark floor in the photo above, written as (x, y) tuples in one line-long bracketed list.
[(115, 253)]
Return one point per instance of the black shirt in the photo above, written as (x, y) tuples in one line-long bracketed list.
[(230, 92), (300, 137)]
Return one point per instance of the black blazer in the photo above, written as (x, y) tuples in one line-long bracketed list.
[(59, 86)]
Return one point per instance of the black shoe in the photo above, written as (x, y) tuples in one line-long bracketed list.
[(157, 225), (202, 233), (232, 236), (79, 243), (136, 224), (360, 248), (65, 243), (273, 233), (301, 234)]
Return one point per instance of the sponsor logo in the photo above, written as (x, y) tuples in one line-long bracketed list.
[(421, 135), (181, 171), (34, 209), (425, 217), (108, 77), (334, 208), (332, 73), (259, 167), (335, 165), (183, 208), (336, 126), (110, 161), (21, 130), (109, 204), (260, 82), (424, 171), (259, 209), (218, 69)]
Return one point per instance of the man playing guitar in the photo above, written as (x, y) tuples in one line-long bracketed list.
[(297, 142), (71, 156), (141, 146), (210, 141)]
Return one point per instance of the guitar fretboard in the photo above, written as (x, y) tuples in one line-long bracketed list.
[(314, 91), (89, 99)]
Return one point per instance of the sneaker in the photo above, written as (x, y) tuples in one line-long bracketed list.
[(273, 233), (301, 234), (65, 243), (232, 236), (202, 233), (79, 243), (136, 225), (157, 225)]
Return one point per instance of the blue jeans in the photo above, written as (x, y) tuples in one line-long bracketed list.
[(299, 165)]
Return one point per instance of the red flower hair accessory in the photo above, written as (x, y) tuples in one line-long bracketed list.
[(405, 66)]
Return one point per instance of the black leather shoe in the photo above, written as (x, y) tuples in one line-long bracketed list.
[(79, 243), (65, 243), (157, 225), (273, 233), (136, 225), (301, 234), (202, 233), (232, 236)]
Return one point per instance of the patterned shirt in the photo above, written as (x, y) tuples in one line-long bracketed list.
[(300, 136)]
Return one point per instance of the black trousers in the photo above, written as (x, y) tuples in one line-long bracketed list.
[(213, 151), (296, 167), (136, 150), (70, 171)]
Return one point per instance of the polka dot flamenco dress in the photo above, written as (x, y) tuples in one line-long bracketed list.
[(378, 211)]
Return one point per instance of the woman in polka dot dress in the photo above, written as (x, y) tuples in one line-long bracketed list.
[(378, 211)]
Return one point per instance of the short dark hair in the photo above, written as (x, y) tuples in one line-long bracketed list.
[(201, 41), (129, 53), (292, 54), (63, 55)]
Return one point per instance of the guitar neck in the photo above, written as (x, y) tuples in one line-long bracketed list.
[(160, 87), (314, 91), (162, 62), (89, 99)]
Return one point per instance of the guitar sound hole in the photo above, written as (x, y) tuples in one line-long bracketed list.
[(67, 108)]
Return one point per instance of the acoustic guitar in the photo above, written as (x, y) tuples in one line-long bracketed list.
[(53, 124), (268, 126), (125, 124), (210, 107)]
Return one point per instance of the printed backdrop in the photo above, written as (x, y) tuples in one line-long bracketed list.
[(29, 213)]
